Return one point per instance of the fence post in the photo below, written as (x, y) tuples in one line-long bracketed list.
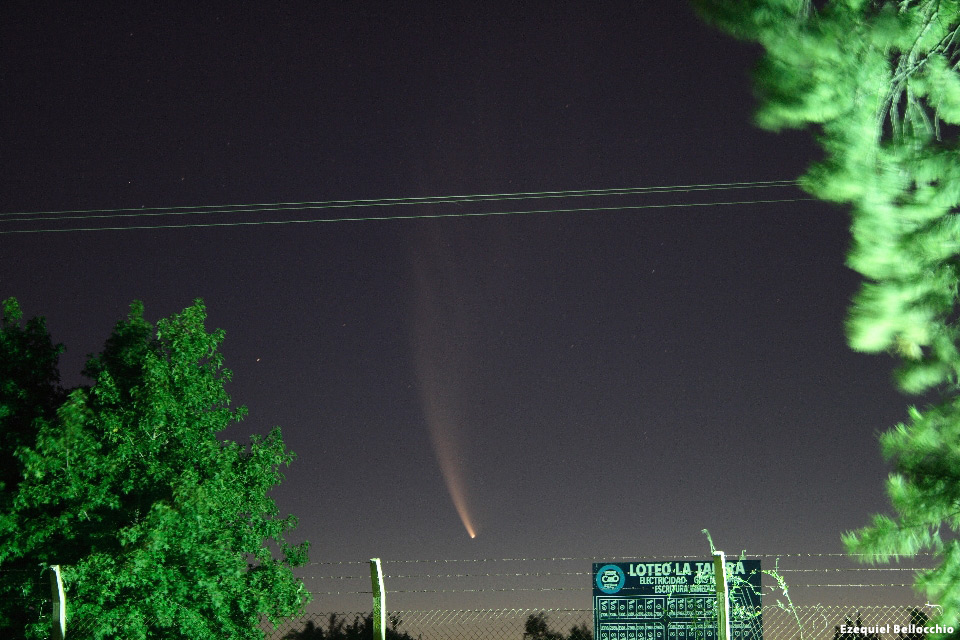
[(379, 601), (723, 597), (59, 603)]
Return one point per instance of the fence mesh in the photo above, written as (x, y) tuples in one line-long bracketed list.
[(814, 622), (551, 599)]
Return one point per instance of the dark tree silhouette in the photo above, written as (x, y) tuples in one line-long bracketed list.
[(337, 629), (919, 620), (537, 627), (580, 632), (854, 636)]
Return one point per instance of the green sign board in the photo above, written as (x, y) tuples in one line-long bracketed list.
[(673, 600)]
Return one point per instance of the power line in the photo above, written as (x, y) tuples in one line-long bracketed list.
[(369, 202), (409, 217)]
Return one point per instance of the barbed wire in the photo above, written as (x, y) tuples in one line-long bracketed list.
[(591, 559), (547, 574), (488, 578), (606, 557), (590, 588), (546, 581)]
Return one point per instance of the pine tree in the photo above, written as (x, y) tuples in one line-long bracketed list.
[(878, 81)]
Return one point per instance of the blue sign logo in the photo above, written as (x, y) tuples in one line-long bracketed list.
[(610, 578)]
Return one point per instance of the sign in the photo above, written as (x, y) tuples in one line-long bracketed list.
[(673, 600)]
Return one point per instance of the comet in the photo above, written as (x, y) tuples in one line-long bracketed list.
[(447, 451), (439, 337)]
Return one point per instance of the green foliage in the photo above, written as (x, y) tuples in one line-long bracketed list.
[(29, 389), (879, 83), (744, 597), (29, 396), (162, 528)]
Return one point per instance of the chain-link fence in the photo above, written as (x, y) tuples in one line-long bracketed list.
[(551, 599), (817, 622)]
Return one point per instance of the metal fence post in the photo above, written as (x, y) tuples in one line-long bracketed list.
[(379, 601), (723, 597), (59, 603)]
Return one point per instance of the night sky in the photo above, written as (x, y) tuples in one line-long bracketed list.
[(597, 383)]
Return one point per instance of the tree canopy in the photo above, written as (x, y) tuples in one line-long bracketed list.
[(162, 528), (879, 82)]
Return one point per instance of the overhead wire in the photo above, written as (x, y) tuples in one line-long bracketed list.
[(57, 216), (480, 214), (483, 197)]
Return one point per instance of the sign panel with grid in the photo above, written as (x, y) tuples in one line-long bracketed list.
[(673, 600)]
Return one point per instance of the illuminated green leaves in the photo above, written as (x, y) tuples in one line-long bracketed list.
[(165, 530), (879, 82), (875, 79)]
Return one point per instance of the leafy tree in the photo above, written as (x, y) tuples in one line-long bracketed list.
[(29, 396), (878, 80), (162, 528)]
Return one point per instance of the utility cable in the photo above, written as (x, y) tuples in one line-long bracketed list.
[(408, 217), (369, 202)]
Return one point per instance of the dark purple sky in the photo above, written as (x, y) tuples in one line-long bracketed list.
[(616, 381)]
